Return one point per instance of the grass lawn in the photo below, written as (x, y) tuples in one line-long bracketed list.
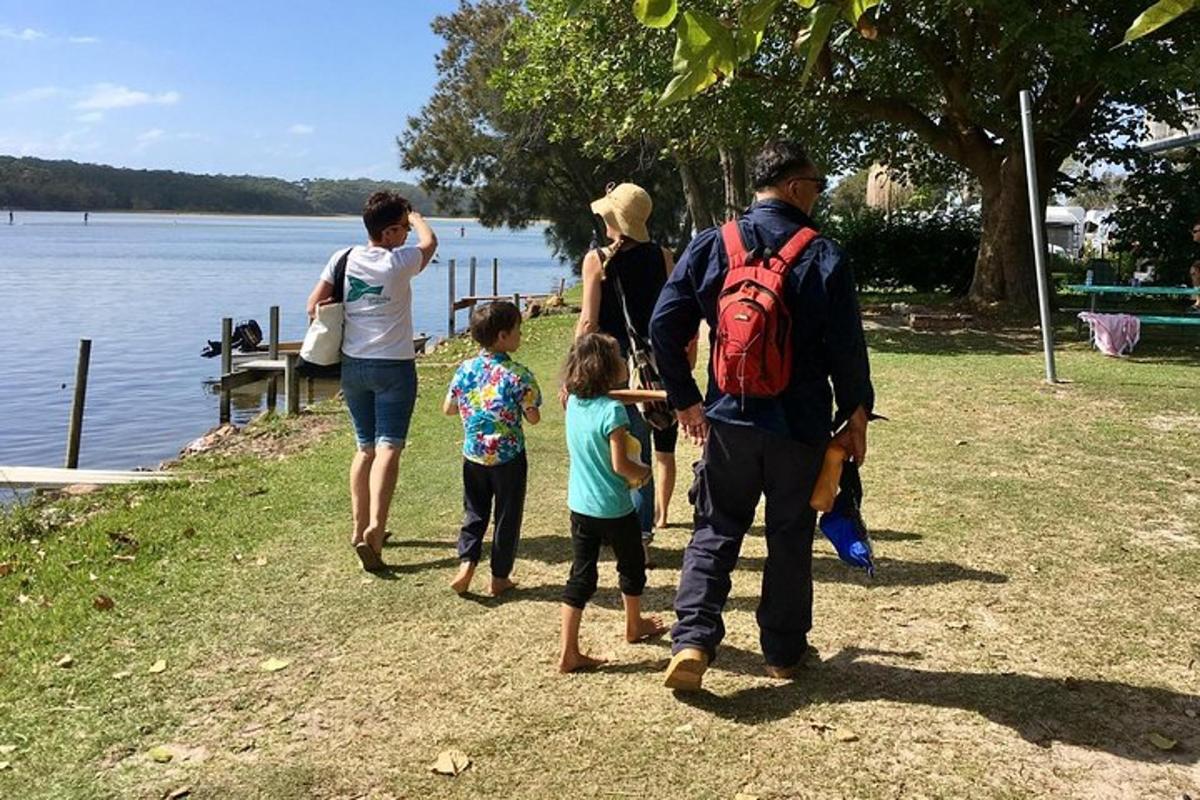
[(1033, 629)]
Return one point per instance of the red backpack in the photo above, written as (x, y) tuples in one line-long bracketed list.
[(753, 355)]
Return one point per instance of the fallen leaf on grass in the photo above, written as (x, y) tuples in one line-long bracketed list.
[(4, 765), (160, 754), (274, 664), (744, 796), (450, 762), (66, 661), (22, 599), (5, 749), (1190, 713), (93, 577), (1162, 742), (846, 736), (6, 568), (126, 559), (157, 667), (103, 602), (122, 675), (260, 562), (178, 794)]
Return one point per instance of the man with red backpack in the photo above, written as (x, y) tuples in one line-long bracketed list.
[(782, 310)]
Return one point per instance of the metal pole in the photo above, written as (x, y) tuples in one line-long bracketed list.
[(75, 430), (273, 353), (226, 367), (495, 277), (451, 272), (1037, 223)]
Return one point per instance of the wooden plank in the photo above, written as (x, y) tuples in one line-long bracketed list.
[(273, 353), (236, 380), (291, 379), (56, 478), (638, 395), (264, 364), (226, 413)]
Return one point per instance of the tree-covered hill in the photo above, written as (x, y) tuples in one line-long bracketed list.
[(38, 185)]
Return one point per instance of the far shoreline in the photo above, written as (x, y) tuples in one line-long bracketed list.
[(255, 215)]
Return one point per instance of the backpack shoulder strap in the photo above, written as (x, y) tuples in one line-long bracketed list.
[(735, 246), (339, 276), (792, 249)]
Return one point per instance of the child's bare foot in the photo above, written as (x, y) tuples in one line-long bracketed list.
[(645, 628), (573, 662), (462, 581), (502, 585)]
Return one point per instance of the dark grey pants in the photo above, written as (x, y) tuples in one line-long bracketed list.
[(740, 465), (505, 485)]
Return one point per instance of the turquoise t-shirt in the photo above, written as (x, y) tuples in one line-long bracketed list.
[(592, 486)]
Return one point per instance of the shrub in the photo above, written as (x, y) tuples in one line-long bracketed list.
[(924, 251)]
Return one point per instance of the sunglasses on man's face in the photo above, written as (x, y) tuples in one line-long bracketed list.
[(1196, 229), (821, 182)]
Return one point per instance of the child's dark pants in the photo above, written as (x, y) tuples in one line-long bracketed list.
[(504, 483), (624, 535)]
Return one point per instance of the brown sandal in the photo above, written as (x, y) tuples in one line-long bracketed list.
[(371, 561)]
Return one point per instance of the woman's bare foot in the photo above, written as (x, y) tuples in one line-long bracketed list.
[(645, 628), (462, 581), (574, 662), (501, 585), (374, 537)]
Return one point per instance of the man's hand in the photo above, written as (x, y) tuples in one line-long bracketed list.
[(694, 423), (854, 438)]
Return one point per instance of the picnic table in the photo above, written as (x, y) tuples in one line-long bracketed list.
[(1096, 291)]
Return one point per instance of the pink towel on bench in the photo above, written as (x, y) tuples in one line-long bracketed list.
[(1113, 334)]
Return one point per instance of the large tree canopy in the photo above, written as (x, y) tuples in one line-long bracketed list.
[(928, 83)]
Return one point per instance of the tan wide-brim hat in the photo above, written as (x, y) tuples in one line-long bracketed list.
[(626, 207)]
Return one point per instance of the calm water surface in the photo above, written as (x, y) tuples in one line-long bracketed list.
[(149, 289)]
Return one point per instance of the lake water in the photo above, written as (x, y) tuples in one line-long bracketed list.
[(149, 289)]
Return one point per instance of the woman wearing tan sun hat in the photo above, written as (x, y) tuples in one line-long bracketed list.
[(636, 268)]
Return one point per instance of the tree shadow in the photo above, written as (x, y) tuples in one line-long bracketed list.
[(1101, 715)]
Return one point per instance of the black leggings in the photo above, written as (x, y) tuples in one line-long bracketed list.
[(624, 535)]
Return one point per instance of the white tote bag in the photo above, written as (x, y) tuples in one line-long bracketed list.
[(323, 341)]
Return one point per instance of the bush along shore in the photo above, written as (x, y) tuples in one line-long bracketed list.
[(1031, 630)]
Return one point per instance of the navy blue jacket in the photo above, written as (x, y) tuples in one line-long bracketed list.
[(827, 335)]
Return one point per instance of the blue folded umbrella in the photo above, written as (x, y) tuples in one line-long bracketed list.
[(843, 526)]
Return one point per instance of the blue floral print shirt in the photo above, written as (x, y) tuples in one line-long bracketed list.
[(492, 392)]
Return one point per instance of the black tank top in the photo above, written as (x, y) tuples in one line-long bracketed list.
[(641, 271)]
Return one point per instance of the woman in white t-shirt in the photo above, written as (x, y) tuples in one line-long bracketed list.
[(379, 375)]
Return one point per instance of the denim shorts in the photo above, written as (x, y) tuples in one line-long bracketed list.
[(380, 393)]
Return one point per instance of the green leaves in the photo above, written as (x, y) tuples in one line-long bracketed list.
[(573, 7), (704, 52), (1156, 16), (753, 17), (815, 35), (654, 13)]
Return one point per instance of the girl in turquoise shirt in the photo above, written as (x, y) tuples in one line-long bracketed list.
[(601, 475)]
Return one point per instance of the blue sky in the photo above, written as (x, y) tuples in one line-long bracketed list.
[(300, 89)]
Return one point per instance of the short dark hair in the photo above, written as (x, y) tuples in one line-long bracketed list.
[(490, 320), (593, 365), (778, 159), (383, 210)]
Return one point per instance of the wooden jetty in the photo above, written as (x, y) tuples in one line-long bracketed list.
[(58, 477), (471, 299)]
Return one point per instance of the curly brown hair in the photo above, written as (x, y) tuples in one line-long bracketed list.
[(593, 365)]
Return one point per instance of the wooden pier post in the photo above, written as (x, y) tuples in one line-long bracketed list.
[(75, 430), (562, 286), (451, 270), (472, 278), (495, 277), (291, 380), (226, 367), (517, 300), (273, 354)]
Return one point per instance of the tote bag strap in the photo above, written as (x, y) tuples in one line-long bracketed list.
[(339, 276)]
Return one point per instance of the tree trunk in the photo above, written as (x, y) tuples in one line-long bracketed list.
[(693, 193), (1004, 270), (733, 175)]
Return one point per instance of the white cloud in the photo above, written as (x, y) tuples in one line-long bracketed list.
[(152, 135), (35, 94), (106, 96), (83, 39), (26, 35), (91, 116), (300, 129)]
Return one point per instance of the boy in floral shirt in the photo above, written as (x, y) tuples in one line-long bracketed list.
[(492, 394)]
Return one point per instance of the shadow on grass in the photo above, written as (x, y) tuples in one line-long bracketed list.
[(1102, 715), (826, 569), (392, 571)]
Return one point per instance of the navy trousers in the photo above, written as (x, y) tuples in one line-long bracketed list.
[(503, 484), (740, 465)]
